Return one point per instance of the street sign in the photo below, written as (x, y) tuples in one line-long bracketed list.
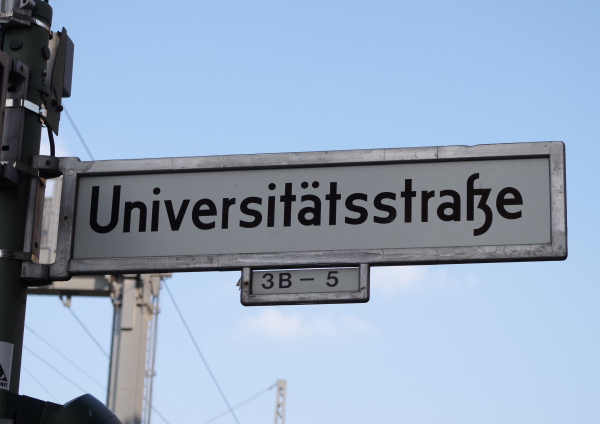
[(455, 204), (305, 286)]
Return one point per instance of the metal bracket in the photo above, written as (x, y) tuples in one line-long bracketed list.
[(20, 12), (66, 301), (47, 166), (23, 168), (36, 274), (59, 73), (41, 109), (19, 256), (16, 79), (43, 167), (9, 175)]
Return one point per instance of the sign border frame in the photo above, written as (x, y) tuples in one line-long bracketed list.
[(73, 168), (362, 295)]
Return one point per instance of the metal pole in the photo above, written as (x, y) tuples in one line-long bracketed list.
[(30, 45), (280, 402)]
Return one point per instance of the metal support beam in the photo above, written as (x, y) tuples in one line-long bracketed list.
[(280, 402), (93, 285), (133, 347)]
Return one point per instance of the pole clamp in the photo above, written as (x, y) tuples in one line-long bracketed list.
[(42, 168), (40, 110), (22, 19), (19, 256), (21, 167), (20, 12)]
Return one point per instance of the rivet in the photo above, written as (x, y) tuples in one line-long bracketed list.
[(15, 44), (46, 52)]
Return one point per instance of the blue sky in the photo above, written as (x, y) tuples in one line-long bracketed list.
[(464, 344)]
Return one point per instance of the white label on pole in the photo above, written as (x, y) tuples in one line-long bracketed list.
[(6, 356)]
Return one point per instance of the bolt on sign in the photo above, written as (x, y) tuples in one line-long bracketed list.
[(452, 204)]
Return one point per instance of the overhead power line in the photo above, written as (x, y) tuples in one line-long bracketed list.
[(160, 415), (241, 404), (79, 134), (88, 332), (55, 369), (65, 357), (212, 376), (39, 384)]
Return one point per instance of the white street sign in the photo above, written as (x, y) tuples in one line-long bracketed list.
[(451, 204)]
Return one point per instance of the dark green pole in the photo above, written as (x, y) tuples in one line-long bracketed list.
[(28, 43)]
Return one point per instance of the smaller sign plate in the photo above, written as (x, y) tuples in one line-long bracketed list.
[(305, 286)]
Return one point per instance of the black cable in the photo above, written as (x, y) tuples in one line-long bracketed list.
[(64, 357), (51, 139), (75, 365), (88, 332), (55, 369), (39, 383), (159, 414), (201, 355), (79, 134), (241, 403)]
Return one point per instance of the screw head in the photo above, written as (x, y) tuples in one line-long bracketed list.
[(15, 44), (46, 52)]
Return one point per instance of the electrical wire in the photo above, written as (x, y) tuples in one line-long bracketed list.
[(78, 134), (55, 369), (65, 357), (39, 383), (159, 414), (52, 144), (88, 332), (212, 376), (75, 365), (241, 403)]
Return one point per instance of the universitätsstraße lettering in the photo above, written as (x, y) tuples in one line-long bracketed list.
[(290, 204)]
